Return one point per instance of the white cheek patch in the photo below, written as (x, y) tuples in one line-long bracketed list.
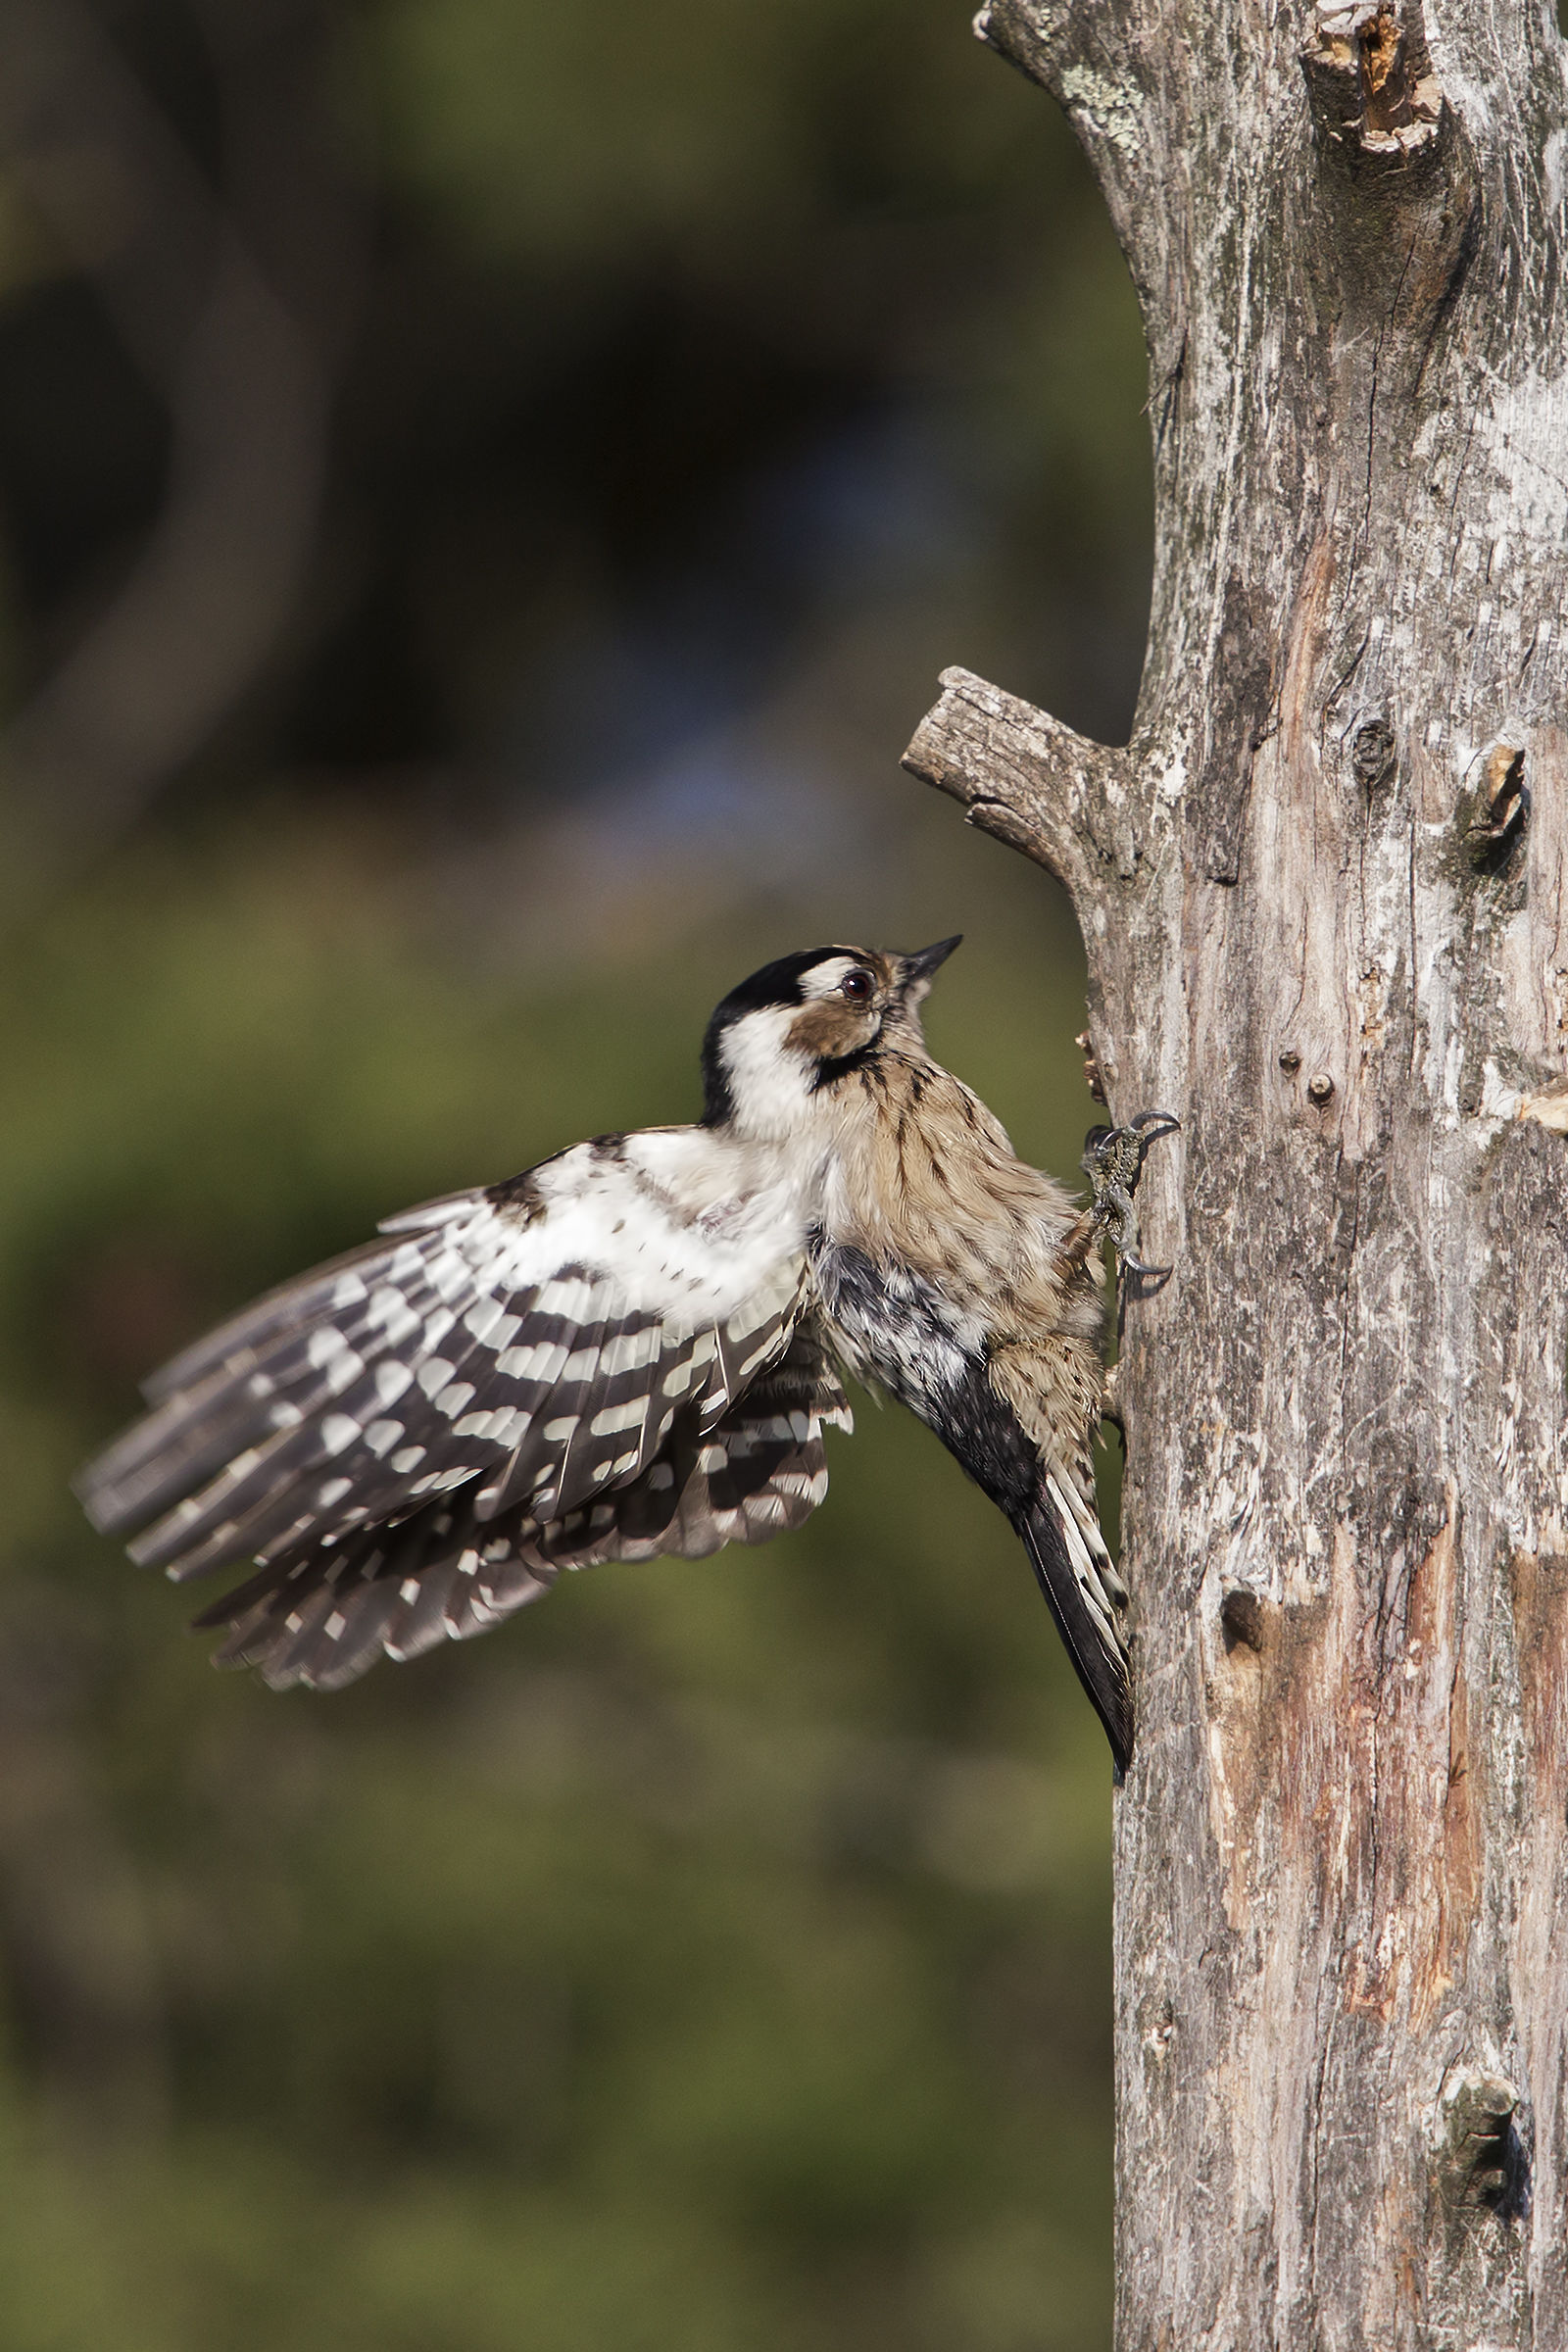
[(769, 1080)]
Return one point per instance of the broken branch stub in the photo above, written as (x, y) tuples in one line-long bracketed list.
[(1032, 782), (1370, 72)]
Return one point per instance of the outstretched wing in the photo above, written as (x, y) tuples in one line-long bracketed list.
[(499, 1361), (322, 1613)]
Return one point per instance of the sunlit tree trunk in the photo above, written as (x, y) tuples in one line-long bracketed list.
[(1322, 898)]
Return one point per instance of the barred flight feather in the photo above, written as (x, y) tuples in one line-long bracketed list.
[(414, 1440), (324, 1615)]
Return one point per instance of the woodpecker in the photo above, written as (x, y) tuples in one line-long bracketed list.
[(635, 1346)]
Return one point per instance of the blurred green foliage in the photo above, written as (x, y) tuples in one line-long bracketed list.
[(718, 1954), (884, 208)]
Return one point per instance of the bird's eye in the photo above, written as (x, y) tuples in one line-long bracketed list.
[(856, 986)]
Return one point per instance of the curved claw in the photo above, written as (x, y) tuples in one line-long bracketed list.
[(1158, 1124), (1113, 1161)]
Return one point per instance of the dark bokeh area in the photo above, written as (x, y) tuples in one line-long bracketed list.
[(484, 496)]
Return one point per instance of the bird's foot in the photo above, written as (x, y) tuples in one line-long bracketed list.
[(1113, 1161)]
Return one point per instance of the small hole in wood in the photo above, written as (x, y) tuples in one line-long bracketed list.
[(1485, 2159), (1241, 1619), (1290, 1061), (1321, 1089)]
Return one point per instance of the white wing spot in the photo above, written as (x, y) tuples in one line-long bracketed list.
[(437, 1482), (502, 1427), (448, 1275), (630, 1351), (573, 1302), (490, 1323), (619, 1416)]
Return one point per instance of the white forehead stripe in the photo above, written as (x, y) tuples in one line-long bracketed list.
[(823, 978)]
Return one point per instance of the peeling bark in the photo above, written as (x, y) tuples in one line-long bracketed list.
[(1322, 894)]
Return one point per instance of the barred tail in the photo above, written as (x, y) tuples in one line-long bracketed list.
[(1087, 1598)]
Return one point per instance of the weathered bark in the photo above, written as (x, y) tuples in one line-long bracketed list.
[(1322, 898)]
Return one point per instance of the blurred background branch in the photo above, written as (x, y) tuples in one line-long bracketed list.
[(482, 510), (231, 293)]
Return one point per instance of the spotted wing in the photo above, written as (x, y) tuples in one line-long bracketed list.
[(323, 1613), (479, 1346)]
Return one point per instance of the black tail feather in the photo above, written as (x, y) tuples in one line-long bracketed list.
[(1088, 1623)]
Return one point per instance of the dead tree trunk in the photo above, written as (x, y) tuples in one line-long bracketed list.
[(1322, 898)]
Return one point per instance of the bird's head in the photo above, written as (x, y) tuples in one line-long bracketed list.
[(781, 1044)]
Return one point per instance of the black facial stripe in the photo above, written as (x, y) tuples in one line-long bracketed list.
[(845, 1066)]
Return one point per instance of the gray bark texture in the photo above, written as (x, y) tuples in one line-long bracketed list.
[(1322, 894)]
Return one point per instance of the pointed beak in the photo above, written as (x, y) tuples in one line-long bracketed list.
[(918, 967)]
